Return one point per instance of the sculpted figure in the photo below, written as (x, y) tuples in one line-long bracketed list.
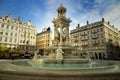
[(57, 36), (64, 35), (36, 54), (59, 55)]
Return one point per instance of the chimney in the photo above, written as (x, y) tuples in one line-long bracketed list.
[(10, 16), (103, 20), (108, 22), (78, 25), (19, 19), (87, 22)]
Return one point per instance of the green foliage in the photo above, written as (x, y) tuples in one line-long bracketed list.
[(4, 52)]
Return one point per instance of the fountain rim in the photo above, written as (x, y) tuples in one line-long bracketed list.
[(92, 68), (76, 72)]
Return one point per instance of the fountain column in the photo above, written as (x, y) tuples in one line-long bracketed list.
[(67, 28), (55, 30), (61, 35)]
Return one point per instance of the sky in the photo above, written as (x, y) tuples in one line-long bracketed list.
[(42, 12)]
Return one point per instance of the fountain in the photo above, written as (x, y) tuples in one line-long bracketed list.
[(61, 66)]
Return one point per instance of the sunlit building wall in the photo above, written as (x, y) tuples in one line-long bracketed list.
[(43, 39), (16, 34), (98, 40)]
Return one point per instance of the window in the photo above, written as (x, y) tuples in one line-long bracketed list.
[(24, 41), (2, 25), (101, 29), (88, 32), (0, 38), (91, 31), (5, 39), (10, 39), (103, 47), (1, 32), (15, 28), (6, 33), (101, 35), (21, 35), (102, 42), (91, 37), (8, 21), (20, 41), (14, 40), (97, 30), (88, 37), (12, 27), (98, 35)]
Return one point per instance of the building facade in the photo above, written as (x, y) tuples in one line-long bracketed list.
[(98, 40), (16, 34), (43, 39)]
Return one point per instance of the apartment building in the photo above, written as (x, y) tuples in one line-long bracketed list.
[(17, 34), (98, 40), (43, 39)]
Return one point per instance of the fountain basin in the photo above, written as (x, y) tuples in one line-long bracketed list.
[(91, 67), (31, 72), (64, 70)]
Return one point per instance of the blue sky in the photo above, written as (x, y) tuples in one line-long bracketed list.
[(42, 12)]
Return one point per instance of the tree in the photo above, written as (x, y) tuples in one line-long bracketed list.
[(4, 52)]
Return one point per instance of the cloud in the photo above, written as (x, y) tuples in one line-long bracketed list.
[(113, 15), (80, 13), (100, 8)]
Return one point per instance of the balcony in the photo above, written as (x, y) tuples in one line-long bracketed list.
[(95, 43), (83, 34), (94, 32), (75, 36), (95, 37), (84, 45), (85, 39), (76, 41)]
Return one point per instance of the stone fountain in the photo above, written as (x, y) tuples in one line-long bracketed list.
[(61, 51), (61, 34)]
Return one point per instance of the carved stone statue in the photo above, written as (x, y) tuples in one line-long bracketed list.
[(59, 55), (36, 54), (64, 35), (57, 36)]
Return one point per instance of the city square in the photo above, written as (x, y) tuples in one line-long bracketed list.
[(84, 52)]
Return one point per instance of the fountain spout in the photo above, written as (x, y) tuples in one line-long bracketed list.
[(59, 55), (36, 54)]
